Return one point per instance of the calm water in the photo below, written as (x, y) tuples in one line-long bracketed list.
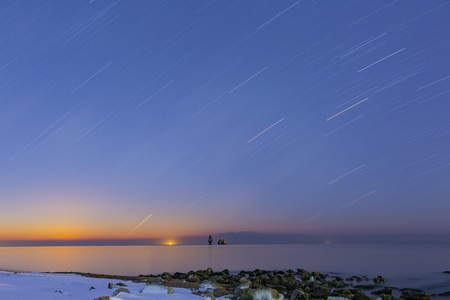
[(418, 266)]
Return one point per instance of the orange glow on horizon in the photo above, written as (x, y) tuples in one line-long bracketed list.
[(170, 242)]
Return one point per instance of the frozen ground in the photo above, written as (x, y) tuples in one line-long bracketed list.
[(49, 286)]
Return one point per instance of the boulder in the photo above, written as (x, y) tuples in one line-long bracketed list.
[(206, 287), (385, 291), (193, 278), (121, 290), (379, 279), (260, 294), (304, 275), (166, 276), (211, 288), (299, 295), (414, 294)]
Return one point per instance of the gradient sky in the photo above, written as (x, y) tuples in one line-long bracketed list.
[(154, 119)]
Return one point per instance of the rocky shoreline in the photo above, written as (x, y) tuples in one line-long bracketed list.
[(272, 285)]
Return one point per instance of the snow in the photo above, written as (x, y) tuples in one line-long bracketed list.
[(51, 286)]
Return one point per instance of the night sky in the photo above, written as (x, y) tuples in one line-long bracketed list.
[(164, 119)]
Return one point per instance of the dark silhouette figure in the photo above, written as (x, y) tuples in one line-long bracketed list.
[(210, 240), (221, 241)]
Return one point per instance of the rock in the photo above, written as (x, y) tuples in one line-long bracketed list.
[(212, 288), (299, 295), (321, 292), (415, 297), (304, 275), (359, 295), (221, 241), (387, 297), (222, 279), (379, 279), (346, 293), (120, 284), (158, 280), (157, 289), (201, 274), (259, 280), (292, 284), (92, 288), (166, 276), (261, 294), (338, 284), (179, 275), (242, 288), (121, 290), (385, 291), (274, 285), (244, 283), (274, 280), (193, 278), (102, 298), (206, 287), (354, 294), (446, 272), (267, 294), (414, 294)]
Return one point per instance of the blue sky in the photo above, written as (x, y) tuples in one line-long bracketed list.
[(144, 119)]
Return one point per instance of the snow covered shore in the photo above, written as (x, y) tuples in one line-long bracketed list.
[(51, 286), (207, 284)]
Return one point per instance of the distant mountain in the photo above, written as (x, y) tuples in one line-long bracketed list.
[(248, 237)]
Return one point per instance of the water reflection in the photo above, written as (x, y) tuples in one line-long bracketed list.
[(389, 260)]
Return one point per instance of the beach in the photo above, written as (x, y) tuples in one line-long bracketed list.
[(205, 284), (53, 286)]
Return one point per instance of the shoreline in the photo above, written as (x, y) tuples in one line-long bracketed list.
[(299, 284), (291, 284)]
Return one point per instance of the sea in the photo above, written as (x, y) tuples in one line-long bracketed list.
[(403, 265)]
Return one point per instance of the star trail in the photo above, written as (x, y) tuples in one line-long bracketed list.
[(220, 116)]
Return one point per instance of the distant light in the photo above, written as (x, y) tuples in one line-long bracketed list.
[(169, 242)]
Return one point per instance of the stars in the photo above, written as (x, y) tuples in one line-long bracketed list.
[(380, 60), (239, 105), (262, 132)]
